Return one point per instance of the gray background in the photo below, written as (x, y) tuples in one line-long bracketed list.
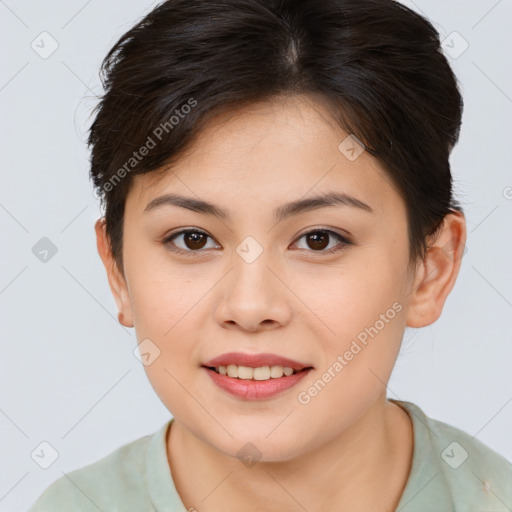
[(69, 376)]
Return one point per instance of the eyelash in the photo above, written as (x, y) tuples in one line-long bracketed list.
[(190, 253)]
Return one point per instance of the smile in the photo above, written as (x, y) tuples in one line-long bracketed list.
[(259, 373), (255, 383)]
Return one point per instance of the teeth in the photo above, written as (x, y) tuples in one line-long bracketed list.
[(260, 373)]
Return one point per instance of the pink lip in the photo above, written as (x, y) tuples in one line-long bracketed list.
[(255, 389), (254, 361)]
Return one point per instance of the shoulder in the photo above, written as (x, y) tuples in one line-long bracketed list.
[(107, 484), (473, 473), (470, 464)]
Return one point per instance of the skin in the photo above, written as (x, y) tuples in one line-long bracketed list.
[(349, 448)]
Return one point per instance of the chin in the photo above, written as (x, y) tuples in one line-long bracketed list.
[(251, 449)]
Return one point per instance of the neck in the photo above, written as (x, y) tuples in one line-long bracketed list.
[(364, 467)]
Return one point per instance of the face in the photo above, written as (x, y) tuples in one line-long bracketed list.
[(325, 285)]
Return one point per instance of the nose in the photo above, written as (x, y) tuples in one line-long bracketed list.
[(253, 296)]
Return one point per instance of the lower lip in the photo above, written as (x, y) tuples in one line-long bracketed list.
[(255, 389)]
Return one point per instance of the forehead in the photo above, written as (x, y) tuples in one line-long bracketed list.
[(288, 147)]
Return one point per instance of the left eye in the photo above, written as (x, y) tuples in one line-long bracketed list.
[(193, 240), (319, 240)]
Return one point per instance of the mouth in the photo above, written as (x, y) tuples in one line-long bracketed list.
[(259, 373), (255, 376), (232, 361), (261, 386)]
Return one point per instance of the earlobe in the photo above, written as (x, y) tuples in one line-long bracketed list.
[(438, 272), (116, 280)]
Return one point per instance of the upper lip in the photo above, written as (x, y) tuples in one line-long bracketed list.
[(254, 361)]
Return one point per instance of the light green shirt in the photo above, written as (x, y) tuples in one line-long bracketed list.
[(451, 472)]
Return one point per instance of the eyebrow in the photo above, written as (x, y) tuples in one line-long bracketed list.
[(282, 212)]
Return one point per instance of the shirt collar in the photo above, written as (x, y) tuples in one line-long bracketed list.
[(161, 488), (425, 487)]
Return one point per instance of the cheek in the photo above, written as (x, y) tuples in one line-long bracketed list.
[(165, 307), (353, 298), (364, 311), (163, 294), (358, 361)]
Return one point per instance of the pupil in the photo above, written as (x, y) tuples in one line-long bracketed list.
[(319, 239), (196, 239)]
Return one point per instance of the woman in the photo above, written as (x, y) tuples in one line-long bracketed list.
[(278, 209)]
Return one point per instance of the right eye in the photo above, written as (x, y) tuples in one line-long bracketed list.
[(191, 240)]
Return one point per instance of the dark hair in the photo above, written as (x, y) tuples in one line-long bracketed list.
[(376, 63)]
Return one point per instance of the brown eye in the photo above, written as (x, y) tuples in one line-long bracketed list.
[(317, 240), (194, 240), (187, 241), (190, 241), (320, 239)]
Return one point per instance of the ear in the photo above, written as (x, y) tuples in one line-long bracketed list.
[(437, 273), (116, 279)]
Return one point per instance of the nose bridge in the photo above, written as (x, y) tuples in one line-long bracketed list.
[(251, 277), (252, 294)]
